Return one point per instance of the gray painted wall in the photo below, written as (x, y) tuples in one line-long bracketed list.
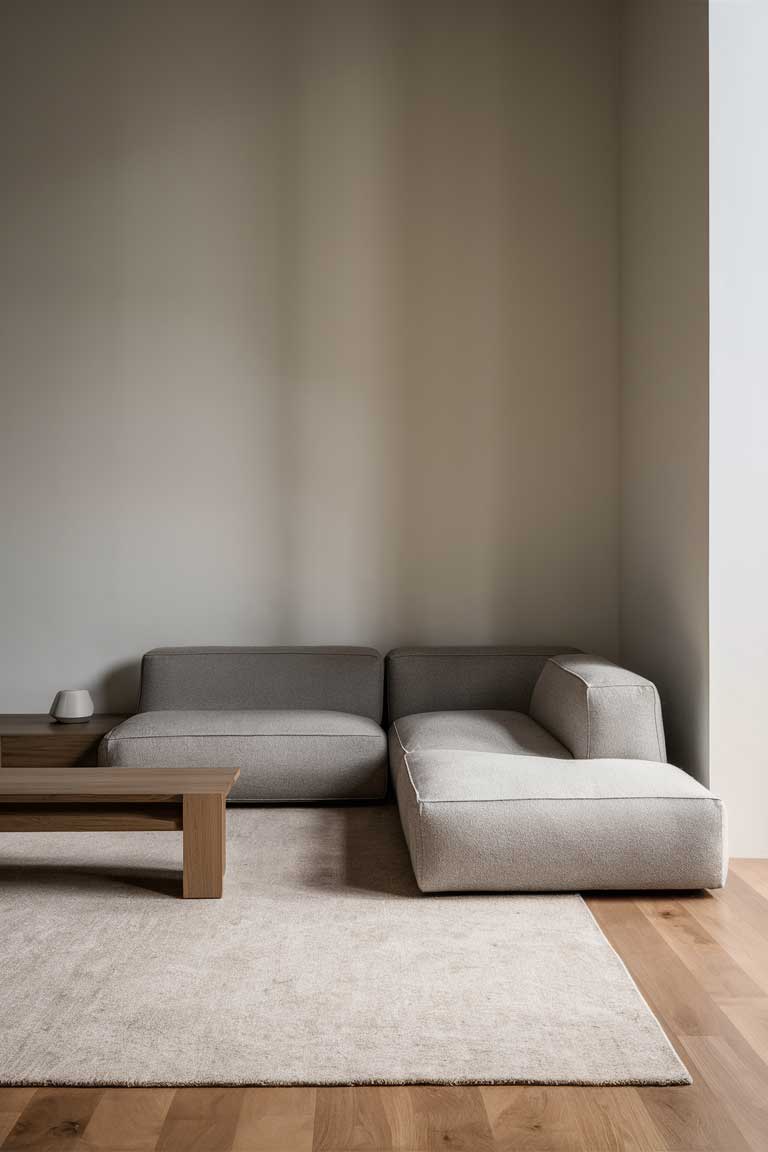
[(309, 326), (664, 363)]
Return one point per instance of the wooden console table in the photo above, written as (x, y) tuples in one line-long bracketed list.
[(37, 739), (191, 800)]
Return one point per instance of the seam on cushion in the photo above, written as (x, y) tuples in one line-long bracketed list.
[(574, 799), (419, 819), (257, 736), (397, 733), (572, 672), (656, 709), (407, 765), (419, 831), (646, 687)]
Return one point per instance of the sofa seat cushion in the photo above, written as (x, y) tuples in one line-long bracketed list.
[(495, 822), (283, 755), (477, 731)]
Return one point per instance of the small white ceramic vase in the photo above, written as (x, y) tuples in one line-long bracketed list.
[(72, 706)]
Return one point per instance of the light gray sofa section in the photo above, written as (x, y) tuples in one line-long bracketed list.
[(300, 724), (598, 709), (512, 733), (290, 755), (561, 785)]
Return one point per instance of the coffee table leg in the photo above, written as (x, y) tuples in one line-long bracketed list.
[(204, 834)]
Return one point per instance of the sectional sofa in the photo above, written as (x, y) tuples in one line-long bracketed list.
[(514, 769)]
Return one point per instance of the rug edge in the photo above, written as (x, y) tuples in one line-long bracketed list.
[(626, 1082), (662, 1031)]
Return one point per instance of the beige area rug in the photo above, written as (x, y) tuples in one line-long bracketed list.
[(321, 965)]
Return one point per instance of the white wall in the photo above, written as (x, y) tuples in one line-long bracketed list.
[(664, 368), (738, 173), (308, 329)]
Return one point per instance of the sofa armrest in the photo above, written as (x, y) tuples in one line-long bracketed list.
[(598, 710)]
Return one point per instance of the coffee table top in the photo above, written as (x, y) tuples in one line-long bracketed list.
[(65, 785)]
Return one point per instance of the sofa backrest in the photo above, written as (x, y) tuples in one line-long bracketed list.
[(444, 679), (325, 679)]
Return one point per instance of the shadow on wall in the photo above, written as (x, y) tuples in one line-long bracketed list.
[(324, 327), (117, 690), (682, 679), (447, 361)]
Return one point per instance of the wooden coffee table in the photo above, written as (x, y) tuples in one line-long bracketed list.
[(191, 800)]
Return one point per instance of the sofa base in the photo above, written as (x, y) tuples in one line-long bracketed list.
[(493, 823)]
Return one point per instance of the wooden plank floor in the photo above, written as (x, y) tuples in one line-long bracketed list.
[(700, 960)]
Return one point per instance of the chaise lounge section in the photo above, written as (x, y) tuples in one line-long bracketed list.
[(301, 724), (542, 770)]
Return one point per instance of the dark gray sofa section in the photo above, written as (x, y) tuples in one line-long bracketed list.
[(324, 679), (301, 724), (457, 679)]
